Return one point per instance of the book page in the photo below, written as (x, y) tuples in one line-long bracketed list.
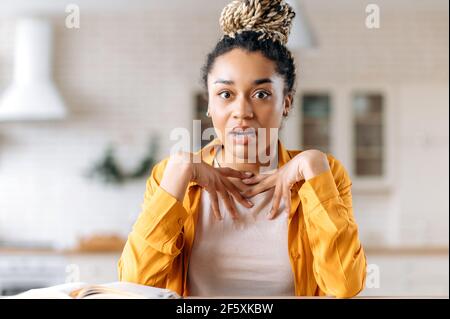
[(53, 292), (127, 290), (114, 290)]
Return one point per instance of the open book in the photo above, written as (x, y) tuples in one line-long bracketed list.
[(115, 290)]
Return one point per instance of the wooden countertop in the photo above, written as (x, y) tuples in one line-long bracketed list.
[(49, 251), (385, 251)]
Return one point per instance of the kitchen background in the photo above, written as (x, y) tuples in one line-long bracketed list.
[(376, 98)]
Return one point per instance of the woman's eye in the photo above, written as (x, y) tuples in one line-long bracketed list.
[(225, 94), (261, 94)]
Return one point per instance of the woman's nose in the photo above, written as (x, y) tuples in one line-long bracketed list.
[(243, 109)]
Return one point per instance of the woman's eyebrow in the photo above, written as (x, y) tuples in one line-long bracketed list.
[(261, 81), (256, 82), (228, 82)]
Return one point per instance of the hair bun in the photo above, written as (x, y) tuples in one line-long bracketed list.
[(273, 18)]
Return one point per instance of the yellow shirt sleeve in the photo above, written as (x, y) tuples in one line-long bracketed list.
[(156, 238), (339, 263)]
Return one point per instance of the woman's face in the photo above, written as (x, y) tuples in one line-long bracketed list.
[(246, 95)]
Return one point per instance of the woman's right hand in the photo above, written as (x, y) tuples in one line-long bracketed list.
[(182, 169), (215, 181)]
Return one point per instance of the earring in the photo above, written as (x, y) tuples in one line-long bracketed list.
[(207, 113)]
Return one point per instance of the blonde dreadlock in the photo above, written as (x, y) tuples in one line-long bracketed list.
[(271, 18)]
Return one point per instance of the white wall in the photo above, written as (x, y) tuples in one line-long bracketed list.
[(127, 75)]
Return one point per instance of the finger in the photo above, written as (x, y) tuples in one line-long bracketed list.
[(276, 202), (229, 203), (258, 188), (287, 199), (236, 194), (265, 184), (255, 179), (215, 204), (229, 172)]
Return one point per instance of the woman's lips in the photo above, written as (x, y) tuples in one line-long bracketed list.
[(242, 137)]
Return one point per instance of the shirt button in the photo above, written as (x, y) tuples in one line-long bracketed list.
[(180, 221)]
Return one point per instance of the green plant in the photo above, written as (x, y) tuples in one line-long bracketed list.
[(108, 170)]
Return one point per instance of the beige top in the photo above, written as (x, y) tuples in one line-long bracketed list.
[(243, 257)]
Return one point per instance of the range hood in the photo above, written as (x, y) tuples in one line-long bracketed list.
[(32, 94)]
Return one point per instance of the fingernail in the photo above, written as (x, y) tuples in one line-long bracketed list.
[(250, 203), (248, 174)]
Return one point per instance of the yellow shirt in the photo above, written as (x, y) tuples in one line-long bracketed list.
[(325, 253)]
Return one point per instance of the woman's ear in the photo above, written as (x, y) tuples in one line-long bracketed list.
[(287, 104)]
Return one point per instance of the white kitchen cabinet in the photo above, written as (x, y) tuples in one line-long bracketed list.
[(355, 124)]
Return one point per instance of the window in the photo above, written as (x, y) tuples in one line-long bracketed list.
[(316, 122), (368, 134)]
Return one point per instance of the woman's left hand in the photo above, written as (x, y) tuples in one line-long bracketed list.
[(303, 166)]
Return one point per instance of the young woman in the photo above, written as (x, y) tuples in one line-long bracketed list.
[(222, 222)]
